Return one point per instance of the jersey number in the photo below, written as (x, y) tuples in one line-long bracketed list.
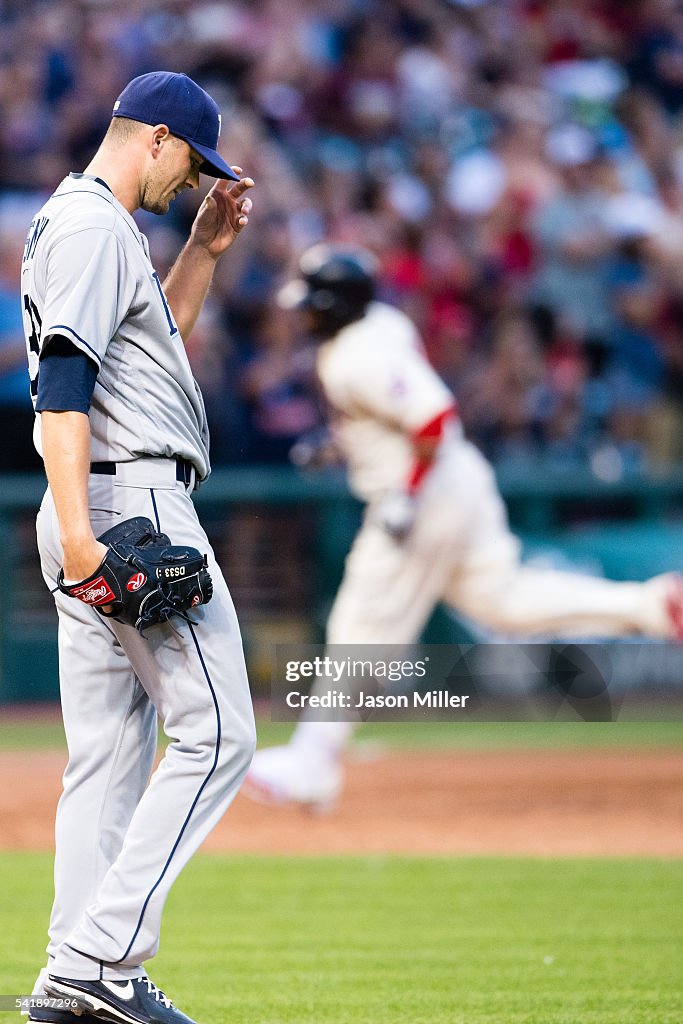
[(169, 317), (33, 330)]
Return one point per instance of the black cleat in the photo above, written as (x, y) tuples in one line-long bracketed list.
[(135, 1001)]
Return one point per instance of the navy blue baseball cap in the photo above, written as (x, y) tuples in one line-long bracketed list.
[(164, 97)]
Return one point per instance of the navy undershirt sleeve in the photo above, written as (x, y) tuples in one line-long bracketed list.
[(67, 378)]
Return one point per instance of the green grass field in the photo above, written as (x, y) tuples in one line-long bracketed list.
[(47, 732), (397, 941), (394, 940)]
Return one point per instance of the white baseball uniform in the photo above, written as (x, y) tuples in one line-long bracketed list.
[(381, 390), (461, 550), (119, 842)]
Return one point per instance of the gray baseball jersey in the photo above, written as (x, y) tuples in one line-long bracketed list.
[(120, 843), (87, 275)]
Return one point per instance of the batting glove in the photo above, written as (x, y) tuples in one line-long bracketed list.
[(396, 513)]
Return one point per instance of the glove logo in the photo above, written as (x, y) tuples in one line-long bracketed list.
[(135, 582), (95, 592)]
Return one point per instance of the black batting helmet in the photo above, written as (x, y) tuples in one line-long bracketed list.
[(336, 284)]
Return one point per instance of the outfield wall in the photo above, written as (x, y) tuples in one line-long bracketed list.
[(282, 535)]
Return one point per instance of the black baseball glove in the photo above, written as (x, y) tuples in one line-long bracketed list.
[(143, 577)]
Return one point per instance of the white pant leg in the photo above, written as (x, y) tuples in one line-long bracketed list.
[(388, 592), (103, 784), (196, 678), (490, 585), (390, 587), (463, 552), (111, 733)]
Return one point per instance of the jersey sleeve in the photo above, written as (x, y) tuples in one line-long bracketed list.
[(67, 378), (397, 386), (88, 290)]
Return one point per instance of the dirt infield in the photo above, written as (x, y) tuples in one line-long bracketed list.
[(607, 803)]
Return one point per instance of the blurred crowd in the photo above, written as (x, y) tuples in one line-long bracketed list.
[(516, 165)]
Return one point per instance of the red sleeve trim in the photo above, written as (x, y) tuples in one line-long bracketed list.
[(434, 428), (431, 431)]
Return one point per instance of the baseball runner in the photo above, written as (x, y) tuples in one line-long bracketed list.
[(435, 527), (146, 623)]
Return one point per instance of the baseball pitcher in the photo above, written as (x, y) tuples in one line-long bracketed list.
[(146, 623)]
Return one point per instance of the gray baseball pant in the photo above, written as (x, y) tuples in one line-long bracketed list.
[(121, 839)]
